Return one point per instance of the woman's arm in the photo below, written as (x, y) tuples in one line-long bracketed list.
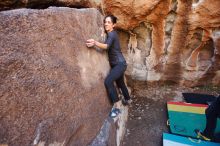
[(92, 43)]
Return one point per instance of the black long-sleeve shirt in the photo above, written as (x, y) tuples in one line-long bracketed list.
[(114, 50)]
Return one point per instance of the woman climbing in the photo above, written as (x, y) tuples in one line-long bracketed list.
[(117, 63)]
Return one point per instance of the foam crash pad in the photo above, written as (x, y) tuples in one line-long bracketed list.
[(184, 118), (176, 140)]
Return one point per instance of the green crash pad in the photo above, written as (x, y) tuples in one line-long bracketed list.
[(184, 118)]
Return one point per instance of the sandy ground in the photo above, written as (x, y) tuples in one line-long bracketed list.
[(148, 112)]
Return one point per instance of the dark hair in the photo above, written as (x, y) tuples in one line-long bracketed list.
[(113, 18)]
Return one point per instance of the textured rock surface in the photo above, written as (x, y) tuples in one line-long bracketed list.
[(80, 3), (11, 4), (203, 38), (51, 85)]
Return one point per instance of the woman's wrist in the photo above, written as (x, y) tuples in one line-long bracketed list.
[(95, 43)]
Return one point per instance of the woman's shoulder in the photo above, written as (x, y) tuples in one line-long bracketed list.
[(112, 33)]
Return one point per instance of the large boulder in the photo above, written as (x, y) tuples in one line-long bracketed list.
[(51, 85)]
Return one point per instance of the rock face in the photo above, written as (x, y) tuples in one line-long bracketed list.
[(51, 85), (12, 4)]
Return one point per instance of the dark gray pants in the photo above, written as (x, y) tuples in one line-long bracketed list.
[(116, 74)]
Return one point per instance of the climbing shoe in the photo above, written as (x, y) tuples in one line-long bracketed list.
[(114, 112), (200, 135)]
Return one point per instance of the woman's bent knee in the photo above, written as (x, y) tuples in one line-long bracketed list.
[(107, 82)]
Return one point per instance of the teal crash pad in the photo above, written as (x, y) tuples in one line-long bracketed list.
[(176, 140)]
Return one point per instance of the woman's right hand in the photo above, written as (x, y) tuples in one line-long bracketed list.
[(90, 43)]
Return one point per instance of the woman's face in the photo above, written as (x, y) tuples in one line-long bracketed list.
[(108, 24)]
